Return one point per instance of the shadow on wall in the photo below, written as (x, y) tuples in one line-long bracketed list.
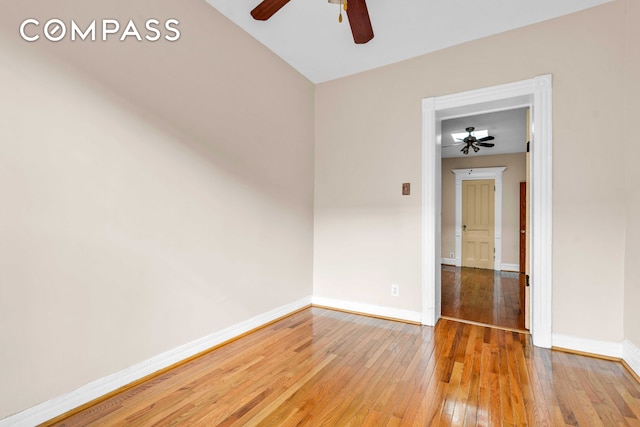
[(199, 88)]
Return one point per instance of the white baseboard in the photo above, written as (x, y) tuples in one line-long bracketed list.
[(372, 310), (449, 261), (510, 267), (631, 355), (601, 348), (625, 350), (59, 405)]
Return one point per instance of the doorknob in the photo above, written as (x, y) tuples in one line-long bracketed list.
[(464, 228), (521, 231)]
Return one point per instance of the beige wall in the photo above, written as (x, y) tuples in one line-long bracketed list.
[(632, 268), (368, 141), (152, 194), (513, 175)]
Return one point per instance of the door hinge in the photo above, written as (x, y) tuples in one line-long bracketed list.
[(527, 283), (528, 146)]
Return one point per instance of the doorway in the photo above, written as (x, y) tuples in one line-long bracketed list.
[(536, 94), (489, 294)]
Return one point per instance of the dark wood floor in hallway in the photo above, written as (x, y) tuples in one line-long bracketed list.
[(483, 296), (321, 367)]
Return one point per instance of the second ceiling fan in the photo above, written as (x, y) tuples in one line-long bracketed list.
[(357, 13), (471, 141)]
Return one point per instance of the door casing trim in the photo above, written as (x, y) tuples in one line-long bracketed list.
[(535, 93)]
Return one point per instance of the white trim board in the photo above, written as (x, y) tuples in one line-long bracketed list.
[(474, 174), (510, 267), (631, 355), (369, 309), (535, 93), (625, 350), (584, 345), (61, 404)]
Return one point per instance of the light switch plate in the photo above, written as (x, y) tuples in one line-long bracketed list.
[(406, 188)]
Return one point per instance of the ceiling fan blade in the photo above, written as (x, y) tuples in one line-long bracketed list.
[(486, 138), (267, 8), (485, 144), (359, 21)]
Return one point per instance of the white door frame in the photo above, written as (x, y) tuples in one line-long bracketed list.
[(536, 94), (475, 174)]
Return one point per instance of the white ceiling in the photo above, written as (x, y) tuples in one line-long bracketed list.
[(508, 128), (307, 35)]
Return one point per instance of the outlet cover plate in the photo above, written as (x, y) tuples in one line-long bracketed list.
[(395, 290)]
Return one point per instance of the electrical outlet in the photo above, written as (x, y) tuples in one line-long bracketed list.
[(395, 290), (451, 255)]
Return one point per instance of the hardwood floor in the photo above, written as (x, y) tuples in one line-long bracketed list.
[(484, 296), (326, 368)]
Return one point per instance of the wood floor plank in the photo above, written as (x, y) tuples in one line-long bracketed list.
[(515, 383), (537, 406), (466, 358), (320, 367), (473, 395)]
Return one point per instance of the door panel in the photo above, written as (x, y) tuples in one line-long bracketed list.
[(523, 247), (523, 226), (478, 223)]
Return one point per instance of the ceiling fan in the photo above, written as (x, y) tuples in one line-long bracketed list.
[(471, 141), (357, 13)]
